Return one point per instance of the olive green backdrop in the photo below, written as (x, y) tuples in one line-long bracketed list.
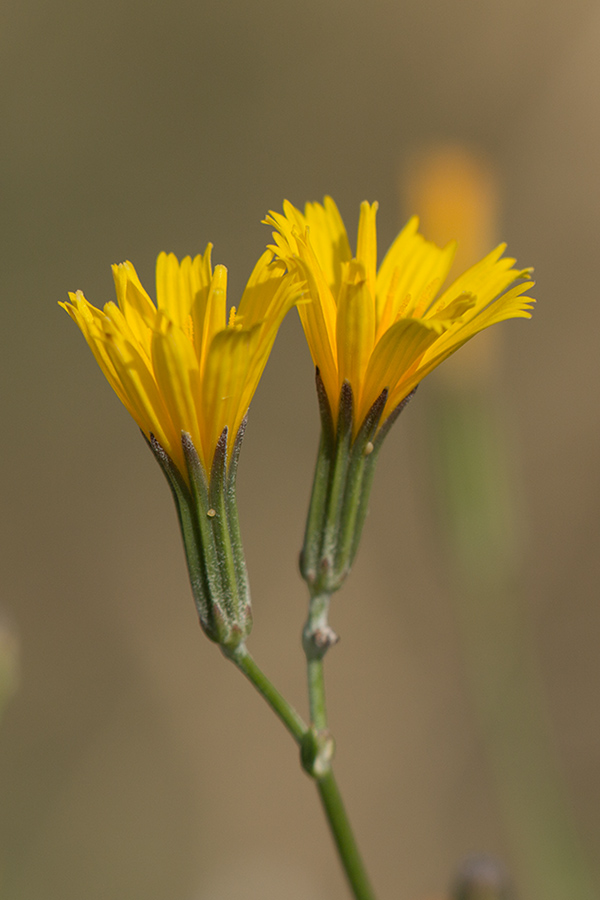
[(135, 762)]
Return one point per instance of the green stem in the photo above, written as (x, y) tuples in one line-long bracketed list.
[(283, 710), (317, 637), (320, 768), (318, 747), (316, 694), (343, 837)]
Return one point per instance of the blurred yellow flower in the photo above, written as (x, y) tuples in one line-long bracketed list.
[(182, 365), (387, 329)]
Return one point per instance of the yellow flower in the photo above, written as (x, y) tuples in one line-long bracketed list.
[(387, 328), (182, 365)]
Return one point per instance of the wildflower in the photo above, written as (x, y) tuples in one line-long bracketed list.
[(385, 330), (183, 365), (374, 334), (187, 373)]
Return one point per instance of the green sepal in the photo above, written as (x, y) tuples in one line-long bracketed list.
[(188, 521), (241, 573), (374, 434), (235, 455), (225, 525), (319, 553), (341, 488), (324, 408), (220, 612), (218, 523), (310, 554), (209, 525), (328, 577), (381, 434), (361, 468)]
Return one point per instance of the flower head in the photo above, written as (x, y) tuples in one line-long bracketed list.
[(187, 373), (183, 365), (385, 329)]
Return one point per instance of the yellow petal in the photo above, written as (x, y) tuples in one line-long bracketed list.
[(215, 316), (485, 280), (510, 305), (199, 277), (396, 353), (355, 328), (409, 266), (178, 378), (142, 396), (366, 247), (275, 305), (329, 240), (222, 385), (134, 302), (173, 295), (454, 311), (90, 321), (287, 225), (315, 246), (319, 319), (258, 294)]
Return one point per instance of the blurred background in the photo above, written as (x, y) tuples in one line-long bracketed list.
[(134, 761)]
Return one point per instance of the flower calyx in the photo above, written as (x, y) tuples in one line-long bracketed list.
[(208, 517), (341, 488)]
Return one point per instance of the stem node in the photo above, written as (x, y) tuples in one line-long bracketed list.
[(316, 752)]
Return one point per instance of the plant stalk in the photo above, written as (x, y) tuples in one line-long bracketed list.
[(344, 838), (319, 747), (294, 723)]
